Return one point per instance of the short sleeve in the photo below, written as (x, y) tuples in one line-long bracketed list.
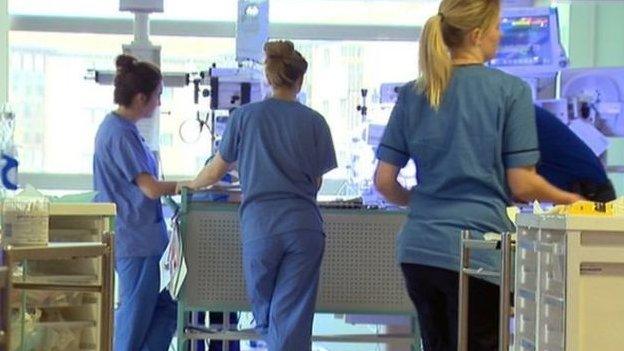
[(325, 153), (393, 147), (230, 142), (520, 146), (130, 156)]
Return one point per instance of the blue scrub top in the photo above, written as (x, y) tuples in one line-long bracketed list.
[(485, 124), (280, 147), (121, 154), (566, 159)]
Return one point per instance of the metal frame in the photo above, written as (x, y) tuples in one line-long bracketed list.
[(13, 255), (505, 246), (4, 52), (215, 29), (5, 309), (188, 331)]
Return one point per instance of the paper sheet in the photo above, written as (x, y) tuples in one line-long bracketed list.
[(179, 280), (537, 208), (165, 272), (512, 212), (172, 264)]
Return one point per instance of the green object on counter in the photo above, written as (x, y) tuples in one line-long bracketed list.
[(74, 198)]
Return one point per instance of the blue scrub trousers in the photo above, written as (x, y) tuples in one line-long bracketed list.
[(145, 319), (282, 276)]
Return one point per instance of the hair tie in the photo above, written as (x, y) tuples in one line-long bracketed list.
[(441, 16), (279, 56)]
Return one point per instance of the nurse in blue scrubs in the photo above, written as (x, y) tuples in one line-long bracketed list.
[(471, 132), (125, 172), (282, 149)]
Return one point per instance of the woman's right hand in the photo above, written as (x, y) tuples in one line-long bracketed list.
[(183, 184), (573, 197), (527, 185)]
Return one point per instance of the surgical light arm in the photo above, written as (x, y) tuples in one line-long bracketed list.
[(170, 79)]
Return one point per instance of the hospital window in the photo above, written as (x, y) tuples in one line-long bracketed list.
[(166, 139), (61, 102), (334, 87), (326, 57), (57, 101)]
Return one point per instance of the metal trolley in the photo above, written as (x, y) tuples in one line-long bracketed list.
[(358, 275), (505, 246)]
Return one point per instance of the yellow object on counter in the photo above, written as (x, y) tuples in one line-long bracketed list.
[(618, 206), (589, 208), (614, 208)]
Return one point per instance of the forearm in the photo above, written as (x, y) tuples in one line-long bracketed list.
[(395, 193), (166, 188), (210, 174), (540, 189), (206, 177), (153, 188)]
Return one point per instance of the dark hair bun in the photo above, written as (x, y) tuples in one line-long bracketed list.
[(279, 49), (284, 65), (134, 77), (125, 63)]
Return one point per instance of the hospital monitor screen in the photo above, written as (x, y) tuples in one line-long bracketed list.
[(529, 42)]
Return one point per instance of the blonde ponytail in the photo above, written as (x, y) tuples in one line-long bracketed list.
[(435, 63), (443, 32)]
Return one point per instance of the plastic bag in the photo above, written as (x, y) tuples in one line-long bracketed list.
[(25, 219)]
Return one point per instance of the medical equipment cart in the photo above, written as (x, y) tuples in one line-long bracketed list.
[(505, 246), (359, 272)]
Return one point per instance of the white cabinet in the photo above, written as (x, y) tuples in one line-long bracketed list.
[(569, 283), (60, 295)]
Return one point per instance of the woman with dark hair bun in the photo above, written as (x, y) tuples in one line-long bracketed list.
[(125, 172), (282, 149)]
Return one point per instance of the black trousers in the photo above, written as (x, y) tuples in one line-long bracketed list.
[(434, 292)]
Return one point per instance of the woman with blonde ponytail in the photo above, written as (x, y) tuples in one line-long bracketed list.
[(471, 132)]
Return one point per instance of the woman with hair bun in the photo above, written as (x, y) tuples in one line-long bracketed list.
[(282, 149), (471, 132), (125, 172)]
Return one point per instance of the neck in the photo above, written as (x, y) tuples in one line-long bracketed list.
[(285, 94), (467, 56), (128, 113)]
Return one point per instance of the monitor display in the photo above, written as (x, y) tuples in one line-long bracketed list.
[(525, 41), (529, 42)]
